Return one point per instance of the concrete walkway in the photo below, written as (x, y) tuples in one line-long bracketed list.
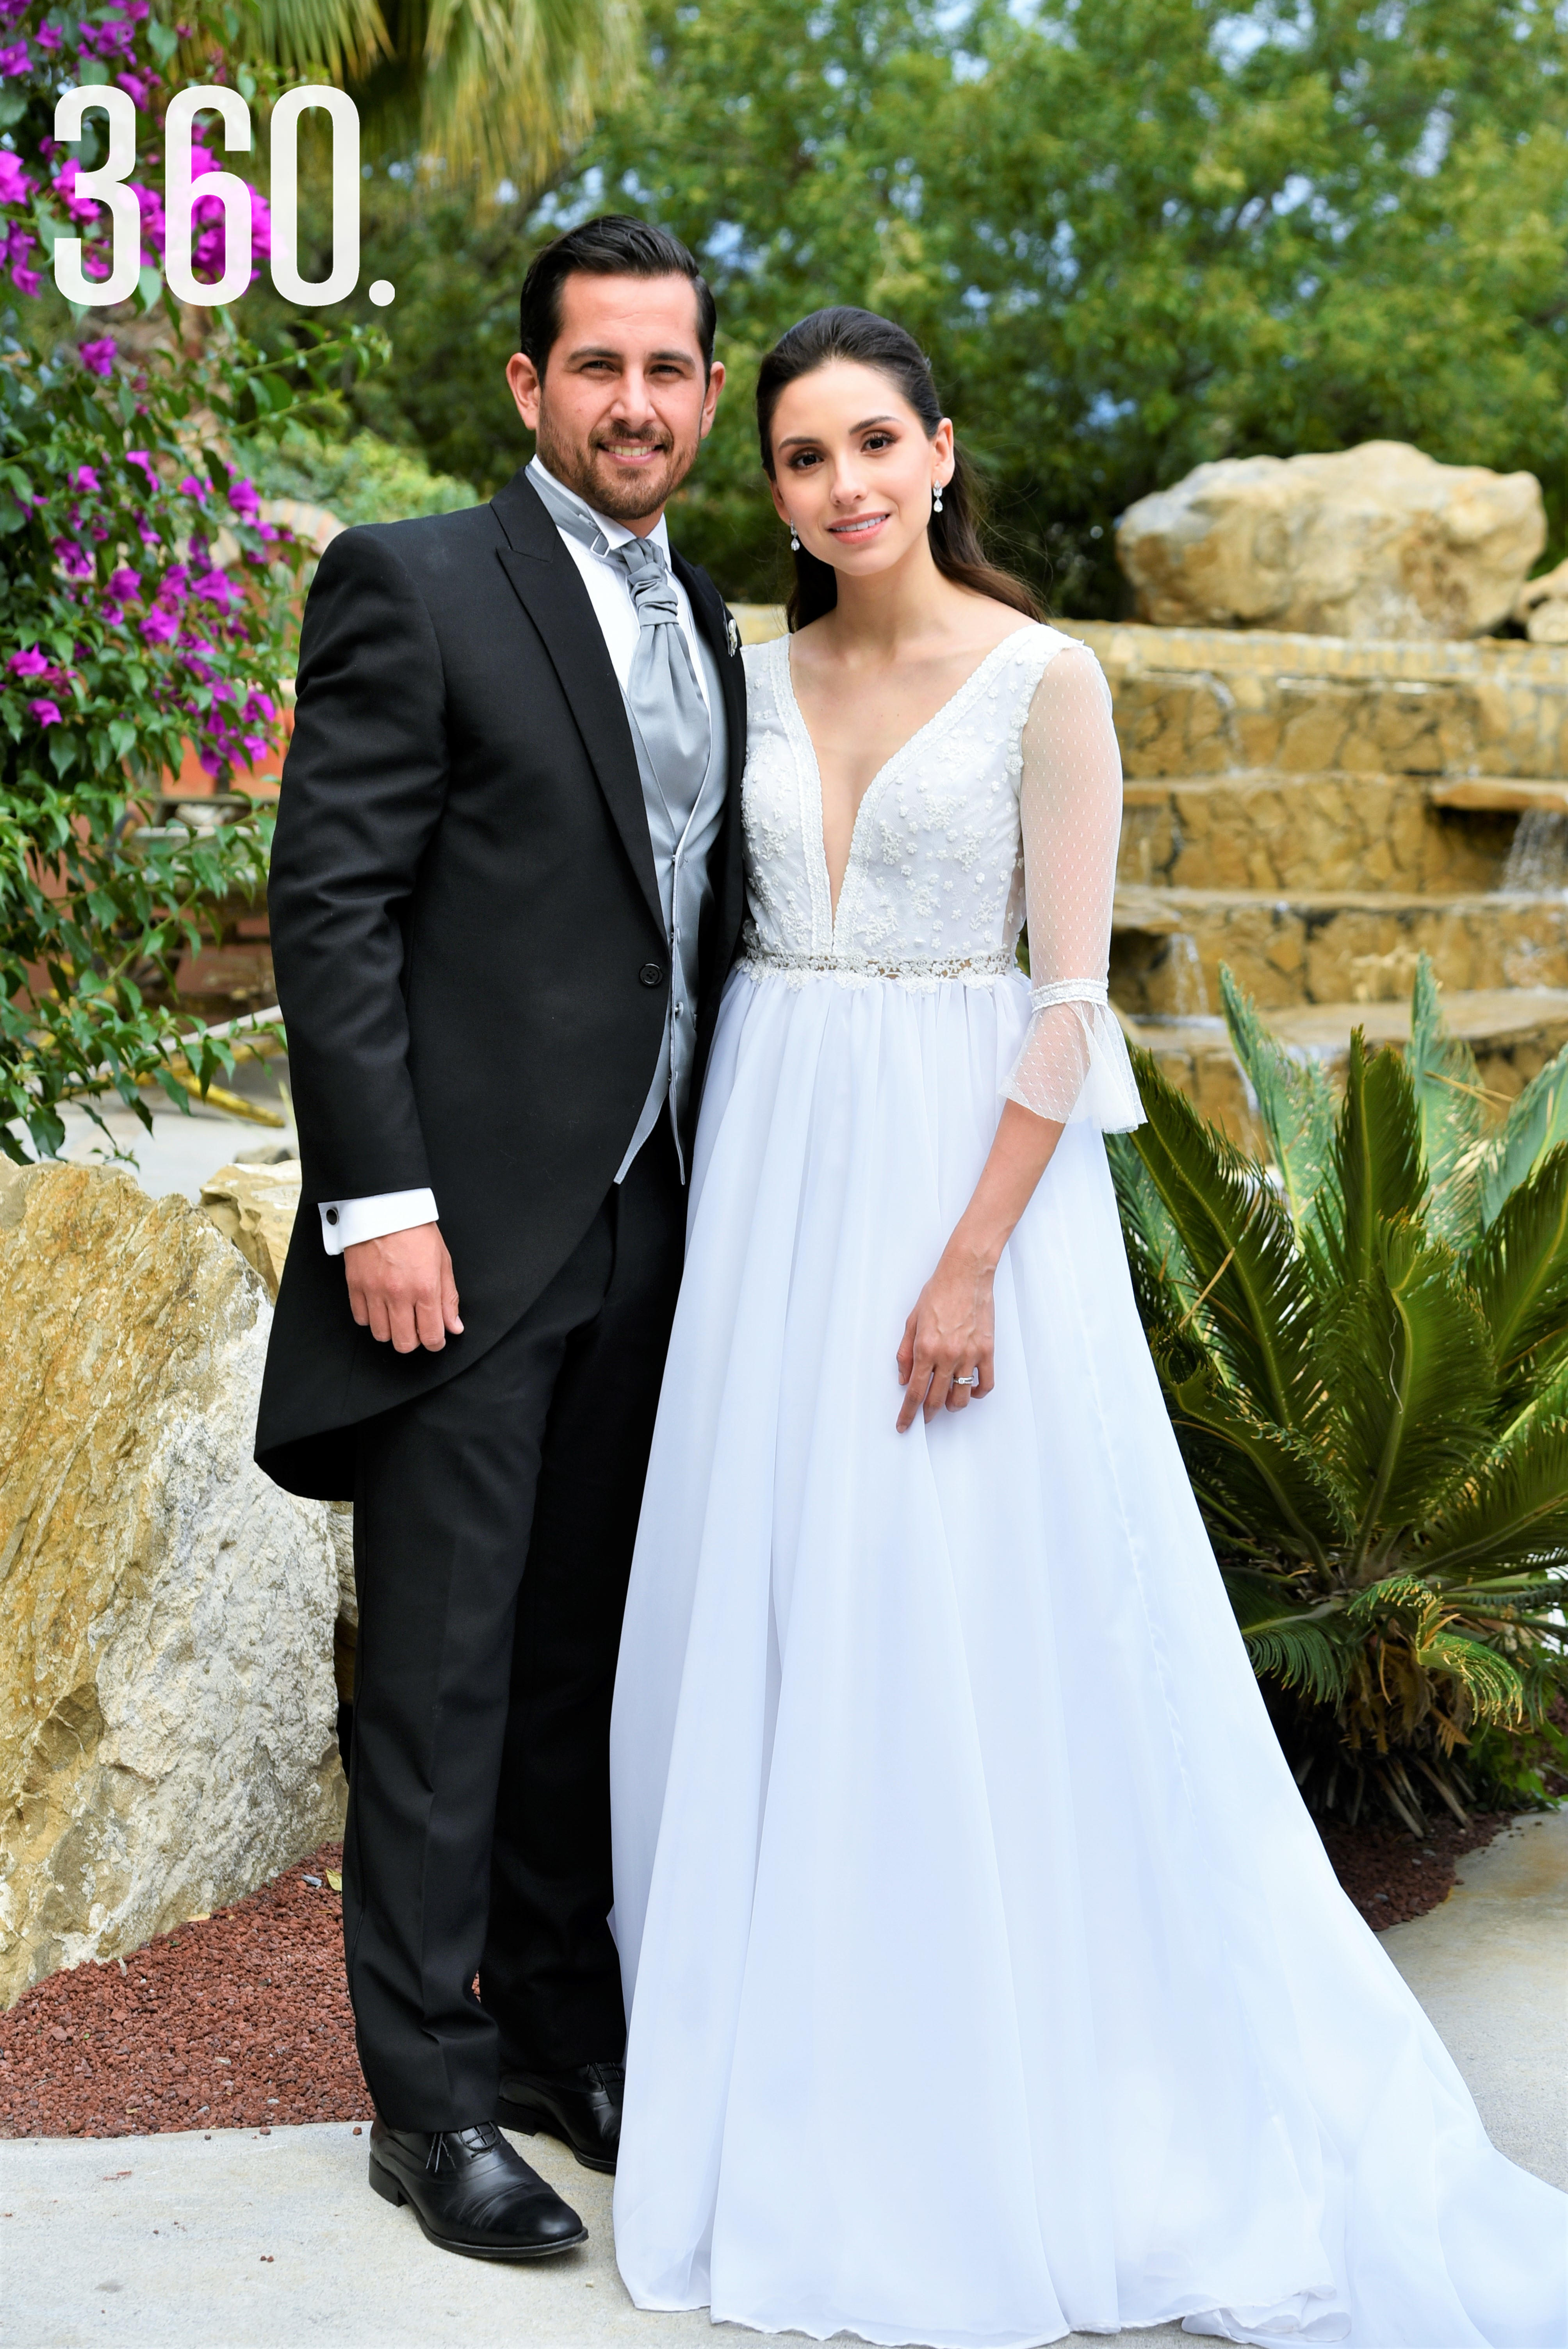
[(240, 2241)]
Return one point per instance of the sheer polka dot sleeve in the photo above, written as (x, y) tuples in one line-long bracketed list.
[(1073, 1067)]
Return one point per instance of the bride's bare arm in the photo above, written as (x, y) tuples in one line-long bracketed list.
[(1070, 812), (951, 1331)]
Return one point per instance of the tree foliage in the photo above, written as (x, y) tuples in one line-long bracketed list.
[(1134, 234)]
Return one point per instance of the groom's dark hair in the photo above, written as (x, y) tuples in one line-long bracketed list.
[(614, 245)]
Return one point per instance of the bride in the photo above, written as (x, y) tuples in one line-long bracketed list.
[(987, 1977)]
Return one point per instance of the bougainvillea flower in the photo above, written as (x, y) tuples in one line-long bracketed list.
[(191, 487), (14, 60), (161, 627), (139, 457), (243, 499), (47, 37), (47, 713), (125, 582), (30, 663), (84, 478), (98, 356), (16, 187), (74, 560), (139, 86)]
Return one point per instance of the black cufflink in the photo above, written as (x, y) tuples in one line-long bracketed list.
[(331, 1214)]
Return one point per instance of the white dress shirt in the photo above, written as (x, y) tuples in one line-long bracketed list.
[(345, 1222)]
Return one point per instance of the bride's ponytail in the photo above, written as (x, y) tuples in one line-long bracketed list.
[(873, 341)]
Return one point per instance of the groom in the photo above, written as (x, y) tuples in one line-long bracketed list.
[(505, 894)]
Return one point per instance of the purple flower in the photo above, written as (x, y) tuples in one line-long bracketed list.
[(260, 709), (47, 38), (25, 281), (98, 356), (14, 60), (159, 628), (191, 487), (47, 713), (84, 478), (138, 85), (74, 560), (139, 457), (30, 663), (125, 582), (16, 187), (243, 499)]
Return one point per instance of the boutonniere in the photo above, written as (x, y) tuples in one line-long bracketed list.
[(734, 633)]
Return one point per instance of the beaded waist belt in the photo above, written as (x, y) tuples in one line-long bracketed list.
[(858, 970)]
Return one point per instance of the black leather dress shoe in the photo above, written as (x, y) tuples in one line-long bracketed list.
[(583, 2107), (472, 2193)]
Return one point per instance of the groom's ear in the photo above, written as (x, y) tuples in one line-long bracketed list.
[(710, 398), (522, 377)]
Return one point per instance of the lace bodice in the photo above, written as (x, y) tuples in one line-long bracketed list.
[(1006, 804)]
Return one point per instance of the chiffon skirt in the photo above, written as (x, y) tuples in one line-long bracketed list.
[(987, 1977)]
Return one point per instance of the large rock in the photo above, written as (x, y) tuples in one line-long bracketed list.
[(1380, 540), (1541, 609), (254, 1206), (167, 1706)]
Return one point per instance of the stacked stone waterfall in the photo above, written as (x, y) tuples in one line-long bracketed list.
[(1317, 811)]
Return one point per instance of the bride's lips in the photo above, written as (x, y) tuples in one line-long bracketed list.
[(856, 532)]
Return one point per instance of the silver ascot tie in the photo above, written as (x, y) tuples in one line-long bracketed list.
[(662, 693)]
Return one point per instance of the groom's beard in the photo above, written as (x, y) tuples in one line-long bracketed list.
[(602, 484)]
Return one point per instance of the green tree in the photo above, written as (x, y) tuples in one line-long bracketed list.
[(1133, 234)]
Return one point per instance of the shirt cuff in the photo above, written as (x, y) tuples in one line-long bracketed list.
[(345, 1222)]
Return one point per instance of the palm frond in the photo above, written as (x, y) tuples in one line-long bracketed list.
[(1512, 1516), (1407, 1361), (511, 85), (1450, 1109), (1252, 1477), (341, 38), (1257, 1312), (1519, 1267), (1376, 1172), (1536, 1123), (1294, 1100), (1300, 1656)]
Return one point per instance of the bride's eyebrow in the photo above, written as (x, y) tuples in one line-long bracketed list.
[(804, 439)]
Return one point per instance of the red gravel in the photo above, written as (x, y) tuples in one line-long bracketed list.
[(242, 2021), (1390, 1877)]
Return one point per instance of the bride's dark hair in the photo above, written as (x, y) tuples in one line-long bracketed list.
[(871, 341)]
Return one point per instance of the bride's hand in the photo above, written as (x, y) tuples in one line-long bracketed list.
[(951, 1333)]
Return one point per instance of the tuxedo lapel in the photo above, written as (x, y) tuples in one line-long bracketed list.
[(549, 586), (724, 642)]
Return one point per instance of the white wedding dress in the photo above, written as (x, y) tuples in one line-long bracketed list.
[(987, 1977)]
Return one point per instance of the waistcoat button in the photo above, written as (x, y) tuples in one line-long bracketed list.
[(651, 974)]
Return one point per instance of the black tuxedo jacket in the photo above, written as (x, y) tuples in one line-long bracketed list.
[(466, 929)]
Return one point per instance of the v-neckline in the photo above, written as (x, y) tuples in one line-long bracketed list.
[(888, 764)]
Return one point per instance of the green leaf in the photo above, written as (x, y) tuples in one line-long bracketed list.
[(1257, 1305), (1519, 1267), (1377, 1173), (1511, 1515), (1294, 1100), (1255, 1478), (1449, 1109), (1407, 1361), (1536, 1123)]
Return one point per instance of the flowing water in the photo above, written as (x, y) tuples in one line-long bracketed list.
[(1537, 861), (1189, 996)]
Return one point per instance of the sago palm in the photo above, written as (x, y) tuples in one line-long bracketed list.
[(503, 88), (1364, 1348)]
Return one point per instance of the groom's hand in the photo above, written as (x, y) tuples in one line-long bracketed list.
[(401, 1287)]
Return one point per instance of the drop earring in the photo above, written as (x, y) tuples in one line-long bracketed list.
[(794, 540), (937, 497)]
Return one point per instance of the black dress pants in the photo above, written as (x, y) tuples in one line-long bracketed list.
[(494, 1522)]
